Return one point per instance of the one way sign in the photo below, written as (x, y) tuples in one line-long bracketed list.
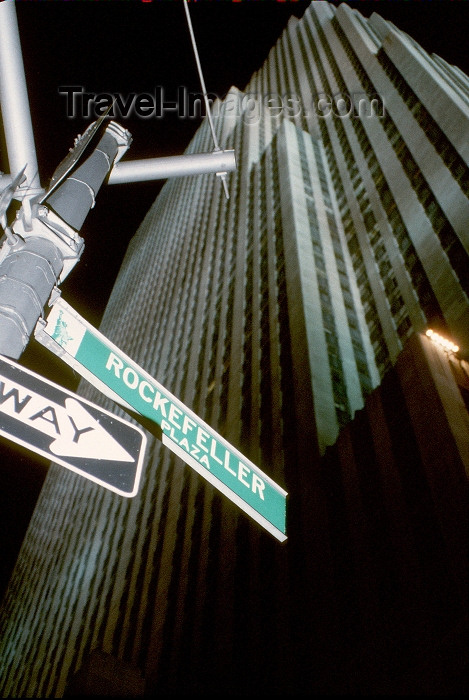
[(69, 430)]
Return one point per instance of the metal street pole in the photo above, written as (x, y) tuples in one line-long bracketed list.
[(14, 102), (173, 166)]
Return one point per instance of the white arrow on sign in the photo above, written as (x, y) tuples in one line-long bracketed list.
[(76, 433), (70, 430)]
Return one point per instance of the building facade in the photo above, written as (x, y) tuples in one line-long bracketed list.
[(291, 318)]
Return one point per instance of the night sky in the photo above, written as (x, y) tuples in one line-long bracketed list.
[(129, 46)]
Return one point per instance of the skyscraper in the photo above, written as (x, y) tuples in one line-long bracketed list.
[(287, 317)]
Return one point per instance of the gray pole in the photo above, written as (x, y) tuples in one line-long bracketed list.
[(172, 166), (14, 101)]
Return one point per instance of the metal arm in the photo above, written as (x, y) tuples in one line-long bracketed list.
[(172, 166)]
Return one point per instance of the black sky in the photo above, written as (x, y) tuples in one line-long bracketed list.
[(126, 46)]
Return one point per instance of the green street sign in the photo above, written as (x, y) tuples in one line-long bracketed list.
[(98, 360)]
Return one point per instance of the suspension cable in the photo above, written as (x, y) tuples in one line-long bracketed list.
[(201, 77), (205, 96)]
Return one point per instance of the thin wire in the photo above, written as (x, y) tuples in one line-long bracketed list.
[(221, 175), (201, 77)]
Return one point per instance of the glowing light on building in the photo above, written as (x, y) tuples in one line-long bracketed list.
[(443, 342)]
